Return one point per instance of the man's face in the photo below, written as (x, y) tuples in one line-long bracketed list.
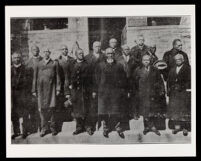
[(126, 50), (178, 45), (47, 54), (97, 47), (35, 51), (64, 50), (80, 55), (16, 59), (140, 41), (179, 60), (109, 54), (146, 60), (153, 49), (113, 43)]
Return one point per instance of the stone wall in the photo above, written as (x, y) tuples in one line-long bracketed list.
[(162, 36), (53, 39)]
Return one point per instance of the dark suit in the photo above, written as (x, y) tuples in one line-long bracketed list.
[(80, 92), (180, 102), (168, 57), (110, 80), (148, 88), (46, 82), (19, 107)]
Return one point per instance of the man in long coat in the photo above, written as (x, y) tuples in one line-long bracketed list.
[(65, 68), (80, 91), (148, 87), (93, 59), (168, 57), (46, 86), (110, 80), (139, 50), (32, 101), (179, 85), (18, 93), (129, 66)]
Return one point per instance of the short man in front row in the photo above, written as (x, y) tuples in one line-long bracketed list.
[(18, 96), (80, 92), (110, 79), (168, 57), (93, 59), (148, 87), (46, 86), (178, 86)]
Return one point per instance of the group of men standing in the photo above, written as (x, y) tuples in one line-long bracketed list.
[(109, 87)]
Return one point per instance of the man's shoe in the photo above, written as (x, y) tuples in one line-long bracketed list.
[(146, 130), (175, 131), (121, 134), (185, 132), (157, 132), (54, 133), (90, 132), (43, 133), (24, 136), (106, 134), (78, 131), (14, 136)]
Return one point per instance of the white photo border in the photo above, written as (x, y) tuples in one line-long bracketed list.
[(84, 150)]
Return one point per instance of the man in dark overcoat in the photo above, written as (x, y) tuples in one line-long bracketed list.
[(168, 57), (18, 92), (178, 86), (139, 50), (80, 91), (148, 87), (65, 68), (46, 86), (93, 59), (110, 79), (129, 66)]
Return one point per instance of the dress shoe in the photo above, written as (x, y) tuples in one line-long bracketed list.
[(175, 131), (146, 130), (90, 132), (14, 136), (121, 134), (54, 133), (185, 132), (24, 136), (157, 132), (43, 133), (106, 134), (78, 131)]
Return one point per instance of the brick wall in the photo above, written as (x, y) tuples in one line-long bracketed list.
[(162, 36)]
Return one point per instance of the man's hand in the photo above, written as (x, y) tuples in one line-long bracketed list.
[(68, 96), (94, 95), (58, 92), (34, 94)]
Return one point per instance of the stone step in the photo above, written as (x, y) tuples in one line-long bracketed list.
[(133, 136)]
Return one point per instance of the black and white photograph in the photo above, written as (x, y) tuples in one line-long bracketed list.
[(101, 80)]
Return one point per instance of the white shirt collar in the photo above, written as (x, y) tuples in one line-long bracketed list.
[(126, 57), (79, 61), (17, 65), (65, 57), (36, 57), (110, 61), (46, 61), (96, 55), (178, 68)]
